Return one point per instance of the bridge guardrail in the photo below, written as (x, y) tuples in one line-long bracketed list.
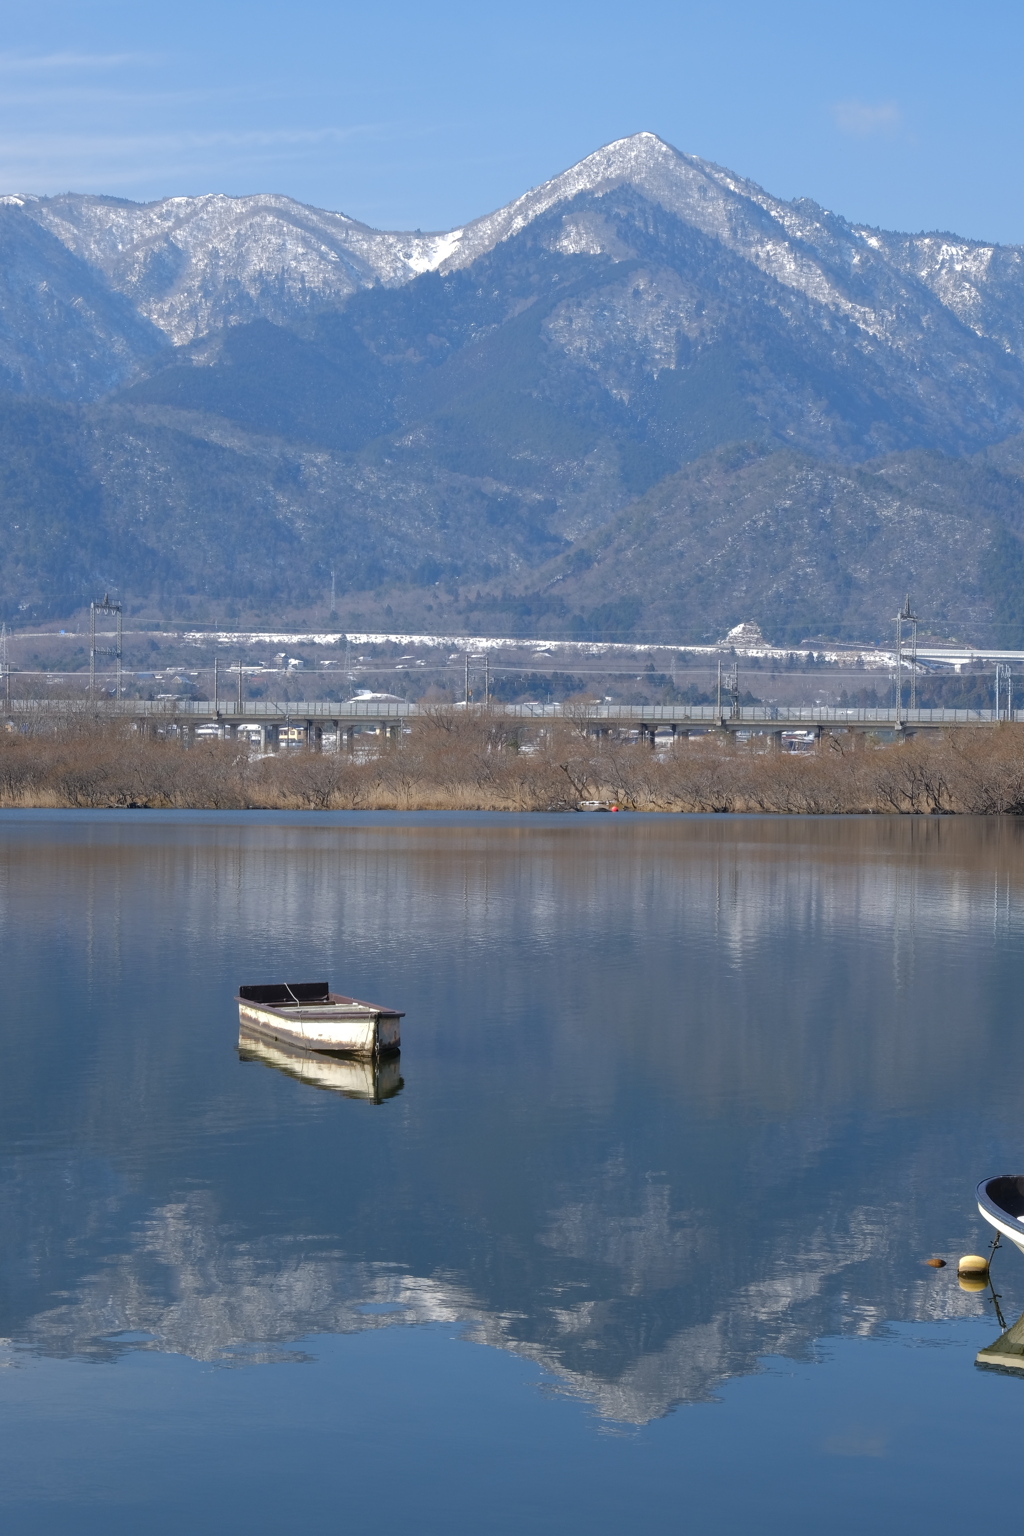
[(379, 711)]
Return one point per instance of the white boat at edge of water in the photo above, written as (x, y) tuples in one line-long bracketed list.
[(309, 1015), (1001, 1202)]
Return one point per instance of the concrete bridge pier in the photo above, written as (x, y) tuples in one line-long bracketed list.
[(270, 738)]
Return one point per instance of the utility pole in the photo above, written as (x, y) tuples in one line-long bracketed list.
[(467, 677), (487, 678), (239, 685), (718, 706), (5, 666), (911, 618), (898, 680), (216, 683), (906, 616)]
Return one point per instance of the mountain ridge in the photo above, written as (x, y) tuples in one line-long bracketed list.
[(143, 248), (526, 415)]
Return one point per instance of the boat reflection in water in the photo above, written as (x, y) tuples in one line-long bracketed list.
[(373, 1079), (1007, 1353)]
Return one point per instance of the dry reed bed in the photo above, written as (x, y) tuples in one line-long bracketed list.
[(479, 762)]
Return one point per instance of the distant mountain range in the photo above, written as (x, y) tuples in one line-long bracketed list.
[(646, 399)]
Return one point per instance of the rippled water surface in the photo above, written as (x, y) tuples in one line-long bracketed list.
[(633, 1240)]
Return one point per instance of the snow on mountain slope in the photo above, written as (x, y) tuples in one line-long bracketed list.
[(63, 332), (860, 274), (194, 264), (191, 265), (983, 285)]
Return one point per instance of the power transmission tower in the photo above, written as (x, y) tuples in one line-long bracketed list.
[(115, 650), (1003, 672)]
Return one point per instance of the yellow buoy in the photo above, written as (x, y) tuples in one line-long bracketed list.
[(972, 1264)]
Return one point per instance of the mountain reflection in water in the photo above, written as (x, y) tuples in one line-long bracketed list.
[(681, 1093)]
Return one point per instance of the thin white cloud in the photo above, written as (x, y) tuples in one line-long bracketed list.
[(57, 162), (865, 119), (19, 63), (45, 98), (80, 145)]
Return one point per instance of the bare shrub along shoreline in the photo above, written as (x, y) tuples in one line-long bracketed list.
[(454, 761)]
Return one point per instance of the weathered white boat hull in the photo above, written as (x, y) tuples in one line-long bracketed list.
[(1011, 1229), (327, 1029), (309, 1016), (1001, 1202)]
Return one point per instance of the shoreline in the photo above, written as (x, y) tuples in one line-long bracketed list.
[(451, 762)]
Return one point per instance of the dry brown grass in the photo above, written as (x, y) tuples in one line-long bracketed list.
[(452, 760)]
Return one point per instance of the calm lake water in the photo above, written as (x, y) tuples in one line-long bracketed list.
[(637, 1244)]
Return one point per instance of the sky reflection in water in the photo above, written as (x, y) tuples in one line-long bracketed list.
[(683, 1105)]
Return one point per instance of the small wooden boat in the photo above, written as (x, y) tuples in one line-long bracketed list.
[(371, 1078), (309, 1015), (1001, 1202)]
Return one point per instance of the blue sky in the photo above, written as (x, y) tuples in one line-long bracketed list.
[(909, 115)]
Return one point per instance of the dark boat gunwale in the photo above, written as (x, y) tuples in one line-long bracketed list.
[(289, 995)]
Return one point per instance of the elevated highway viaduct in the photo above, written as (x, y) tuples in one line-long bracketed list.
[(313, 719)]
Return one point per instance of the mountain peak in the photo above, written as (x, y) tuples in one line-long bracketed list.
[(193, 265), (698, 192)]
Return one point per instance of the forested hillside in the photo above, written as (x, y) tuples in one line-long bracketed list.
[(645, 400)]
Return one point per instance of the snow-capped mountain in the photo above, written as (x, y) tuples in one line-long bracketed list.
[(646, 353), (192, 264)]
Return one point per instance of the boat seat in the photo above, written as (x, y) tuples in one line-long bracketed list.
[(285, 994)]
